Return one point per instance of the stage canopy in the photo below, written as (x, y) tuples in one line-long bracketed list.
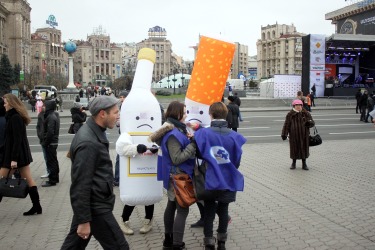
[(350, 42)]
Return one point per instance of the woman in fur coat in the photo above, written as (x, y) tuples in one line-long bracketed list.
[(297, 126)]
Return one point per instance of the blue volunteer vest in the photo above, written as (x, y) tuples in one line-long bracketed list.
[(223, 155), (165, 163)]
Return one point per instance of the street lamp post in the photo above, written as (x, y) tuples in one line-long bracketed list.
[(168, 81), (182, 77), (174, 82)]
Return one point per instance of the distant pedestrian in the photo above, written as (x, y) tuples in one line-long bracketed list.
[(297, 126), (363, 106), (358, 97), (230, 90), (78, 116), (39, 132), (308, 100), (303, 99), (39, 105), (17, 154), (313, 89), (233, 113), (32, 103), (237, 101), (91, 192), (61, 103), (51, 130), (370, 106), (312, 98)]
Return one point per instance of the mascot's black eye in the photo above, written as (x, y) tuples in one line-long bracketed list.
[(187, 111), (137, 118), (201, 112), (152, 118)]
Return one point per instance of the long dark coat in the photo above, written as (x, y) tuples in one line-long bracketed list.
[(16, 144), (297, 125)]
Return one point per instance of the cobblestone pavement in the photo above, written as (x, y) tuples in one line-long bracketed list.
[(332, 206)]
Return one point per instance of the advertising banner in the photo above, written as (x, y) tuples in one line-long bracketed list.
[(317, 63)]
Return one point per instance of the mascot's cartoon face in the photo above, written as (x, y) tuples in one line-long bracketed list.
[(140, 115), (197, 112)]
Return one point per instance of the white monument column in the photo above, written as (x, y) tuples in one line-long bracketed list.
[(70, 73), (70, 47)]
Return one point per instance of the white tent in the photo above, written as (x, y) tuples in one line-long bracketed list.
[(266, 88), (163, 83)]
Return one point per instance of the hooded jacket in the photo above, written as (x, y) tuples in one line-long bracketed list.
[(51, 124)]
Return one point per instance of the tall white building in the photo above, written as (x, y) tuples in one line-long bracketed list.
[(279, 51)]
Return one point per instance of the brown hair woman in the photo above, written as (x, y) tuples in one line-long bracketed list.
[(17, 154)]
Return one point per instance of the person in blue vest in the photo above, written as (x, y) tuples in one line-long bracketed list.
[(178, 156), (220, 149)]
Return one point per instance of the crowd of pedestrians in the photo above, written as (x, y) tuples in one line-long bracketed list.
[(91, 191)]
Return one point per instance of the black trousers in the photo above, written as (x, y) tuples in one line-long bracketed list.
[(210, 209), (104, 228), (128, 210), (52, 163)]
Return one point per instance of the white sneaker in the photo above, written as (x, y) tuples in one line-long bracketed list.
[(125, 227), (147, 226), (44, 176)]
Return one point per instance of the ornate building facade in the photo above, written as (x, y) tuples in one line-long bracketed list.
[(48, 59), (279, 51), (166, 64), (97, 60), (15, 32)]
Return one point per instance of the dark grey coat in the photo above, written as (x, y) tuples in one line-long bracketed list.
[(297, 126)]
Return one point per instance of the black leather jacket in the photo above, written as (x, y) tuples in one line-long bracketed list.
[(91, 191)]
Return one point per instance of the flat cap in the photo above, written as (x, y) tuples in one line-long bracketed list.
[(102, 102)]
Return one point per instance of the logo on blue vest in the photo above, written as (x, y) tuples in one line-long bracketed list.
[(220, 154)]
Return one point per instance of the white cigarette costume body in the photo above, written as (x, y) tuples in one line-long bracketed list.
[(140, 116), (208, 79)]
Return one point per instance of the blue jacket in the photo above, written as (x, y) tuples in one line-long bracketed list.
[(165, 165), (222, 152)]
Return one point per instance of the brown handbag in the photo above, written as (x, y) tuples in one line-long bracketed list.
[(184, 190)]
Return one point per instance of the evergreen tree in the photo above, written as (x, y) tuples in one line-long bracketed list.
[(6, 74), (16, 73)]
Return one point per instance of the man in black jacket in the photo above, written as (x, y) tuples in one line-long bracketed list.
[(363, 105), (91, 192), (51, 129)]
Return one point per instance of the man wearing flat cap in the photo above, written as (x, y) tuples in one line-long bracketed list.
[(91, 191)]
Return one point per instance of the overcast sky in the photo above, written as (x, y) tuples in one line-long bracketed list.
[(236, 20)]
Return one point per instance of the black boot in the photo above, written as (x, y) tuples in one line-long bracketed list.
[(168, 242), (1, 198), (221, 239), (209, 243), (304, 166), (34, 196), (293, 166), (179, 247)]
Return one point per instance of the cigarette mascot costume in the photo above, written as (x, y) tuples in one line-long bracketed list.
[(207, 84), (140, 116), (208, 79)]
